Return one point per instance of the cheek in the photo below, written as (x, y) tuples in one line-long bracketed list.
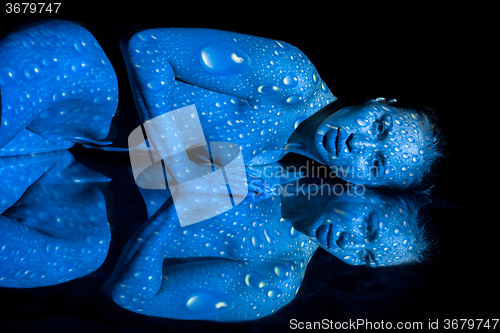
[(349, 257), (351, 120)]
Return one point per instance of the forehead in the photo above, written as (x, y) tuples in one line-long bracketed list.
[(394, 245), (395, 236), (404, 146), (405, 138)]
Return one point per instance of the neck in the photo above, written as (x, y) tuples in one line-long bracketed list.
[(302, 204), (302, 139)]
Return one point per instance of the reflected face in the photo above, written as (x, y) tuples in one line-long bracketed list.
[(372, 144), (363, 231)]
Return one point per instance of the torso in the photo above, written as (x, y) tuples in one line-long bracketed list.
[(251, 231)]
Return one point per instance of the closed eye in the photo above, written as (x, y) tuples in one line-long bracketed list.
[(377, 166), (381, 126), (371, 228), (369, 258)]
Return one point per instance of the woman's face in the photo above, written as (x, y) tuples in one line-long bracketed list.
[(361, 230), (372, 144)]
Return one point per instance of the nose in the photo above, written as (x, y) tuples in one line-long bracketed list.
[(348, 241), (358, 142)]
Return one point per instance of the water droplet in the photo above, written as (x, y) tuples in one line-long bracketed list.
[(254, 280), (274, 293), (257, 241), (315, 77), (223, 59), (283, 45), (49, 61), (31, 70), (389, 170), (78, 66), (294, 99), (147, 37), (298, 121), (25, 97), (267, 89), (156, 84), (282, 271), (58, 96), (362, 121), (6, 76), (206, 303), (291, 80), (324, 87), (101, 99), (382, 226), (80, 45)]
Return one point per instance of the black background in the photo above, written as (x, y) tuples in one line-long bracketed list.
[(424, 54)]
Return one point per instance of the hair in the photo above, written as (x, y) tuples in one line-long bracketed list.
[(414, 221), (434, 147)]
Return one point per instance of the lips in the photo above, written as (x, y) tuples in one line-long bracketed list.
[(325, 235), (330, 140)]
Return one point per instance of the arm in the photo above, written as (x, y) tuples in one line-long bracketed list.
[(210, 285), (257, 69), (216, 289), (57, 231)]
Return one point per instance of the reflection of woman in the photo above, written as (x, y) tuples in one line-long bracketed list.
[(373, 228), (250, 261), (54, 228)]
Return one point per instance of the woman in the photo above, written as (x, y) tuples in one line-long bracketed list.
[(267, 97), (58, 88)]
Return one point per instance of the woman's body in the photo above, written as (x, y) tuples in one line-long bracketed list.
[(251, 91), (53, 224), (247, 90), (57, 88), (264, 95), (241, 265)]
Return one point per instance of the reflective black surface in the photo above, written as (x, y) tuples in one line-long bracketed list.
[(457, 282)]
